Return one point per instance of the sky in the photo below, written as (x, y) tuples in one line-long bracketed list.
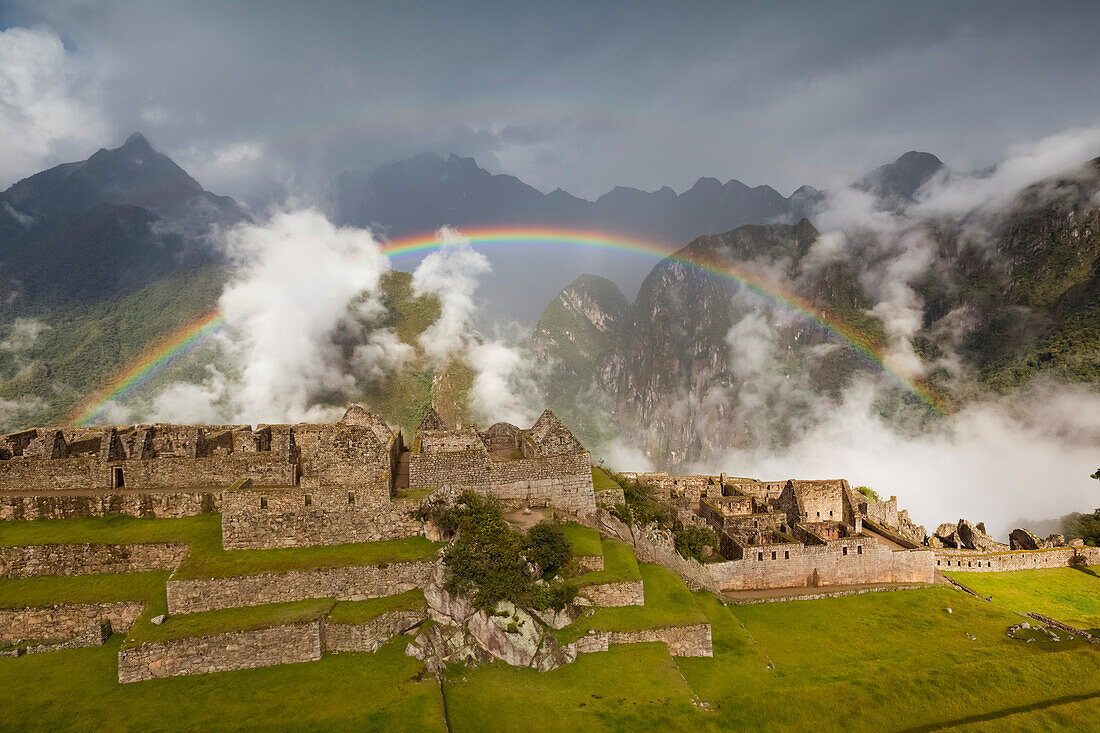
[(257, 99)]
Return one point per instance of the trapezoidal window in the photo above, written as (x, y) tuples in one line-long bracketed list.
[(263, 502), (309, 500), (120, 480), (859, 549), (844, 550), (787, 555), (351, 497), (773, 556), (760, 556)]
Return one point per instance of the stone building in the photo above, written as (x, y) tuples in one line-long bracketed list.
[(543, 466), (776, 534), (288, 485)]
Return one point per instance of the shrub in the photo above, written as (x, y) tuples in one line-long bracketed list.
[(868, 492), (548, 547), (487, 559), (691, 541)]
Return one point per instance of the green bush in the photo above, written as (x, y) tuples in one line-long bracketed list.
[(548, 547), (691, 541), (868, 492), (488, 558)]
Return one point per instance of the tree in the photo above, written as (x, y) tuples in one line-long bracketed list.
[(868, 492)]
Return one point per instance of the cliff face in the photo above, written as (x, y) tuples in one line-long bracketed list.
[(700, 363), (668, 369)]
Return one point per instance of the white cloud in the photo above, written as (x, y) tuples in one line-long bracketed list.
[(48, 112), (14, 413), (22, 334), (505, 387), (450, 274)]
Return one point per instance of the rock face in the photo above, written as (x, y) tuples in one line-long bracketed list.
[(965, 536), (509, 633), (1022, 539), (973, 537)]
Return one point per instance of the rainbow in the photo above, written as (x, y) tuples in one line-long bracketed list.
[(138, 372)]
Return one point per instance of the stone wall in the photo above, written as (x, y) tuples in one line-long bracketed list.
[(865, 562), (589, 563), (88, 559), (369, 636), (344, 584), (168, 505), (164, 473), (302, 516), (610, 497), (561, 481), (462, 469), (222, 652), (615, 594), (973, 561), (67, 620), (682, 641)]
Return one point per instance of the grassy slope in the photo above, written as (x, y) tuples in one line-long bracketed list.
[(79, 690), (230, 619), (206, 558), (1069, 595), (888, 661), (359, 612), (585, 541), (619, 565)]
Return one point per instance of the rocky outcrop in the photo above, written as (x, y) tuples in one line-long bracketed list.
[(509, 634), (964, 536), (1023, 539)]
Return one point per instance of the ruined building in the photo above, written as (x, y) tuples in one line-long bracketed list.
[(288, 485)]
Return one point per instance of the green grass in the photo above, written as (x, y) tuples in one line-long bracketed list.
[(114, 529), (48, 590), (1066, 594), (207, 561), (78, 690), (585, 541), (206, 558), (230, 619), (360, 612), (415, 494), (601, 480), (668, 602), (619, 565), (629, 688)]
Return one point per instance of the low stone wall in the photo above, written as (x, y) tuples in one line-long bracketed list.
[(682, 641), (88, 559), (369, 636), (96, 635), (825, 594), (222, 652), (67, 620), (608, 595), (160, 505), (344, 584), (590, 563), (973, 561)]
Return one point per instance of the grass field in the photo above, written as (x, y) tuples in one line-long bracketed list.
[(584, 541), (886, 661), (1067, 594), (206, 558), (602, 480), (619, 565)]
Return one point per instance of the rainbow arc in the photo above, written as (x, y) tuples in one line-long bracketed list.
[(134, 375)]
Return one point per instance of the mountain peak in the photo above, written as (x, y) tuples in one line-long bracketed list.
[(137, 141), (899, 181)]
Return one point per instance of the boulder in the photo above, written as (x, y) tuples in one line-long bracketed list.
[(509, 634), (973, 538), (158, 620), (1022, 539)]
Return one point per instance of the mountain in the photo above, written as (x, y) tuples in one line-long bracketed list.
[(423, 193), (898, 182), (87, 232), (98, 258), (700, 365)]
